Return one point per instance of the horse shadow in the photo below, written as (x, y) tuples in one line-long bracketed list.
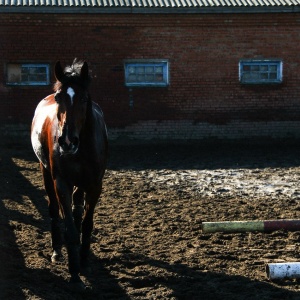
[(177, 281), (18, 280), (16, 277), (11, 258)]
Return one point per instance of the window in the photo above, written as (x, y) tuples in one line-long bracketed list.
[(260, 71), (28, 74), (143, 73)]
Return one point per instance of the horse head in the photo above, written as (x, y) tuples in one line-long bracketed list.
[(72, 99)]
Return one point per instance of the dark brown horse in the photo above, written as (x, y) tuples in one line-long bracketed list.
[(69, 137)]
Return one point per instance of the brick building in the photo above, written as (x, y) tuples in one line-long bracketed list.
[(182, 70)]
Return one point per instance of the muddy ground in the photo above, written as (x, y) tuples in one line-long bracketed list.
[(147, 241)]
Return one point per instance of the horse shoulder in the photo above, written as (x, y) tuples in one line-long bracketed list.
[(42, 129)]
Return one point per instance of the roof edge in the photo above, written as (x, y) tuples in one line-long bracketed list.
[(143, 10)]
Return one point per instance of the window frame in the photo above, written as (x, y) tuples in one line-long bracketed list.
[(29, 82), (261, 62), (147, 63)]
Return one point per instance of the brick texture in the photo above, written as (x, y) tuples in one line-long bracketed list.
[(204, 98)]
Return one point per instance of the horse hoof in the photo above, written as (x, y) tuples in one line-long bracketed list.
[(78, 286), (56, 256)]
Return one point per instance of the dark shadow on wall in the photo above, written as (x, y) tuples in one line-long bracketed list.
[(204, 156)]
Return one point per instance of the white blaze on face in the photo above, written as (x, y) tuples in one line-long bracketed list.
[(71, 93)]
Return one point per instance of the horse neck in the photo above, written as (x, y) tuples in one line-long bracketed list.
[(89, 125), (90, 132), (94, 136)]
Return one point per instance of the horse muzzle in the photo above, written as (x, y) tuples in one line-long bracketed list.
[(68, 146)]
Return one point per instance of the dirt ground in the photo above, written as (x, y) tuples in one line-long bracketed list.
[(147, 240)]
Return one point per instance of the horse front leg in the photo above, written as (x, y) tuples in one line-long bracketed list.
[(87, 228), (72, 237), (78, 207), (56, 235)]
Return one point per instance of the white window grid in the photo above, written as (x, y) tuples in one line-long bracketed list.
[(260, 71), (32, 74), (144, 73)]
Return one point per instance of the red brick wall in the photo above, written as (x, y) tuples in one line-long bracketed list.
[(203, 52)]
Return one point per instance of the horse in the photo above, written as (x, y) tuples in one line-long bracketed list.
[(69, 138)]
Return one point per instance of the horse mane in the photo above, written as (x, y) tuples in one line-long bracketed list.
[(73, 76)]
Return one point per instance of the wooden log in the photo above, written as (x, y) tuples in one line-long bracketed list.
[(250, 226)]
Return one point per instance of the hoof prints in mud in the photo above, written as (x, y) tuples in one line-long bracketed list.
[(147, 240)]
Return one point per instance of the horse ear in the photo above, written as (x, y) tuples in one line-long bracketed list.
[(58, 71), (84, 73)]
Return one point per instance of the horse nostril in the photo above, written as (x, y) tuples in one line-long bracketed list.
[(68, 146), (75, 141)]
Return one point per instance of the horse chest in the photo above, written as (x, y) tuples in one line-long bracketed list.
[(78, 172), (73, 170)]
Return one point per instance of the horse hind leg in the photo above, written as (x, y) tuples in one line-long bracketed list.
[(56, 235)]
